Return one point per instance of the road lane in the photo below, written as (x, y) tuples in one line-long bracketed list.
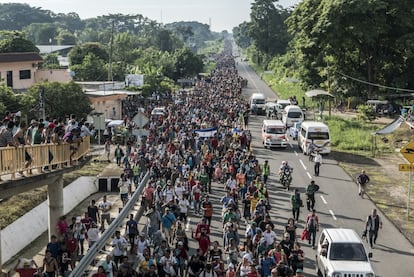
[(337, 204)]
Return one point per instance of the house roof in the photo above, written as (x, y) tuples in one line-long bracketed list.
[(20, 57), (47, 49)]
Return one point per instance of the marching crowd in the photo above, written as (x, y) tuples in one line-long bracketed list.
[(206, 139), (203, 139)]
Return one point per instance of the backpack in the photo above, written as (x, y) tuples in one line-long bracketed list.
[(311, 223)]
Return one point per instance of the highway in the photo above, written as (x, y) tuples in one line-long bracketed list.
[(337, 202)]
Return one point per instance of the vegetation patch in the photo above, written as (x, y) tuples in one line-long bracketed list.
[(14, 207)]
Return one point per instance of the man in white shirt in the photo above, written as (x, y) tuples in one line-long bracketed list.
[(269, 235), (179, 190), (318, 162), (168, 262), (231, 184), (120, 245), (105, 207), (184, 204), (142, 243), (93, 234), (124, 185), (169, 193)]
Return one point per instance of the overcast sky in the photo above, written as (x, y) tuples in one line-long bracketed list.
[(223, 14)]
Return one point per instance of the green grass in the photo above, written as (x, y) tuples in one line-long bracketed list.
[(208, 67), (355, 136), (14, 207), (211, 47)]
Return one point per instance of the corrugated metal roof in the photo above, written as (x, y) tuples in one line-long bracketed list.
[(20, 57)]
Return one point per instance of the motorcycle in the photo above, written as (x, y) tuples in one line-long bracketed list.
[(286, 178)]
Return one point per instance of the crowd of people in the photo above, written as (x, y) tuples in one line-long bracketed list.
[(18, 133), (203, 139)]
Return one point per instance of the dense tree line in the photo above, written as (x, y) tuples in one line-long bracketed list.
[(331, 43), (106, 47), (131, 44)]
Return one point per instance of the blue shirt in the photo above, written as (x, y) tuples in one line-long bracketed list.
[(168, 220), (267, 265)]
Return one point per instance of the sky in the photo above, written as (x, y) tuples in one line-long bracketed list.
[(222, 14)]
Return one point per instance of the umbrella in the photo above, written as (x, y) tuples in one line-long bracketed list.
[(115, 123), (318, 93)]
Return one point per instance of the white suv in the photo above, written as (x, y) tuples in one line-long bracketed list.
[(341, 253)]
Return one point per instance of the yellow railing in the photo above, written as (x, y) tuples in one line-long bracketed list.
[(13, 159)]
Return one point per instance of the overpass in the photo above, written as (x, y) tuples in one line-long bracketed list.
[(49, 163)]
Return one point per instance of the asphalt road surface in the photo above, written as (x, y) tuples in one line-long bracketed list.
[(337, 202)]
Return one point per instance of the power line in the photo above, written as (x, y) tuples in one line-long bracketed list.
[(373, 84)]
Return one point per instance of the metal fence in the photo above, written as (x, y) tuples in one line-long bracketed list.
[(96, 247)]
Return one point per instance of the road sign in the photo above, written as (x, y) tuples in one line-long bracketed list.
[(140, 120), (406, 167), (408, 152)]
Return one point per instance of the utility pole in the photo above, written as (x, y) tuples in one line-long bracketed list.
[(110, 77), (42, 103)]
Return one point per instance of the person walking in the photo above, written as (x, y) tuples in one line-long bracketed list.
[(373, 224), (131, 228), (296, 203), (265, 171), (168, 222), (362, 180), (310, 193), (318, 162), (312, 225)]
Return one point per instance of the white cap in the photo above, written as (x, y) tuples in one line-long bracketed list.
[(19, 114)]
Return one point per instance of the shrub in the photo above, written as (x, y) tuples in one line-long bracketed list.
[(366, 113)]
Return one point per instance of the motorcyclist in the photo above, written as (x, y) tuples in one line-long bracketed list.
[(284, 167), (284, 171)]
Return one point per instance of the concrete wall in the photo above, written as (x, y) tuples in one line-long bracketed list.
[(26, 229), (55, 75)]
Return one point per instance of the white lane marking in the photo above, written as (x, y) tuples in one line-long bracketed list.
[(333, 215), (310, 176), (187, 227), (303, 165), (291, 145), (296, 153), (323, 200)]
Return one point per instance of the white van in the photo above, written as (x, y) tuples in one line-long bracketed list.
[(317, 133), (273, 134), (257, 103), (340, 252), (292, 114)]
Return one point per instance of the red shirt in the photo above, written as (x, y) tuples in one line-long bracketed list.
[(201, 227), (71, 245), (26, 272), (204, 244)]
